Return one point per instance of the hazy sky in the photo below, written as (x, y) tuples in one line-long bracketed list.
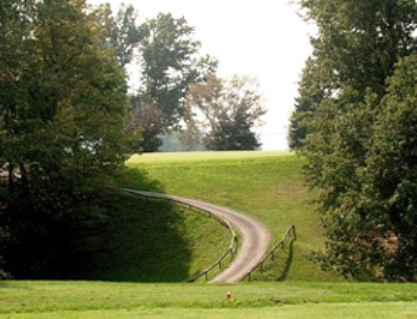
[(263, 38)]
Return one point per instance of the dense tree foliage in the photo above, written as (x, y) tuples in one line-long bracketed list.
[(310, 95), (343, 94), (355, 50), (170, 63), (121, 31), (390, 179), (144, 126), (62, 105), (230, 110)]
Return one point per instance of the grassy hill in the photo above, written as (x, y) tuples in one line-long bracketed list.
[(267, 185), (155, 241)]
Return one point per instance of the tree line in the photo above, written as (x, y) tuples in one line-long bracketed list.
[(170, 63), (67, 122), (355, 121)]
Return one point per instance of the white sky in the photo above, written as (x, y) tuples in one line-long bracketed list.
[(265, 39)]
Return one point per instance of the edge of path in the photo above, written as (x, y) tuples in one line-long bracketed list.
[(254, 235)]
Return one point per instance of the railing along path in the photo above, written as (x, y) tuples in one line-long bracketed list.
[(271, 254), (231, 250)]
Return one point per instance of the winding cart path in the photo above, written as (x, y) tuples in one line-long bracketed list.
[(254, 235)]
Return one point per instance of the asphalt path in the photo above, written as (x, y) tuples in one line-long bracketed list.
[(254, 235)]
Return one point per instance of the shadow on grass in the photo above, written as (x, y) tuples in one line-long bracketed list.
[(288, 263), (142, 239)]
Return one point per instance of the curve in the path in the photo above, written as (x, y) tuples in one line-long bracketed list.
[(255, 236)]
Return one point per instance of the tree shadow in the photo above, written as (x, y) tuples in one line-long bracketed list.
[(142, 241)]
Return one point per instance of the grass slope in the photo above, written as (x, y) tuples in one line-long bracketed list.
[(267, 185), (97, 300), (155, 241)]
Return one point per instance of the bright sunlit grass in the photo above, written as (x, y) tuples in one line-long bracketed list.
[(96, 300), (198, 156)]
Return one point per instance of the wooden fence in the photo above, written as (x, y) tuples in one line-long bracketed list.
[(219, 263), (271, 254), (231, 250)]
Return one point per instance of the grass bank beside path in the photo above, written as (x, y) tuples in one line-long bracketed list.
[(153, 241), (267, 185), (93, 300)]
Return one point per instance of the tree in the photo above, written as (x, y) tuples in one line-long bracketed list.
[(355, 52), (145, 121), (230, 108), (390, 178), (121, 31), (170, 63), (62, 106), (310, 94)]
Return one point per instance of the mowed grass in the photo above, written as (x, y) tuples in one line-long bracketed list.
[(98, 300), (153, 241), (266, 185), (270, 188), (198, 156)]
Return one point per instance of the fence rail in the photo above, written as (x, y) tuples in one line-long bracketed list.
[(219, 262), (271, 254), (231, 250)]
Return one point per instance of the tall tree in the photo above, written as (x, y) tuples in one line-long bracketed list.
[(389, 197), (355, 51), (170, 63), (311, 93), (62, 105), (231, 109), (144, 126), (121, 31)]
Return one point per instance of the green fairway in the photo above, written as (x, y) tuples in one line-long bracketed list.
[(267, 185), (91, 300), (196, 156)]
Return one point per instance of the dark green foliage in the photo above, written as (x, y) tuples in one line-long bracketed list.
[(121, 31), (360, 41), (54, 230), (390, 179), (62, 105), (358, 44), (232, 133), (310, 94), (144, 126), (170, 63), (231, 110), (355, 53)]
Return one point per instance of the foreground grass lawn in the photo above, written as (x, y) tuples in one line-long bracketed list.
[(91, 300)]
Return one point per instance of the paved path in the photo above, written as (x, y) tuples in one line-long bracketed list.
[(255, 236)]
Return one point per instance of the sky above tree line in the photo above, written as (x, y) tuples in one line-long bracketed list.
[(265, 39)]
